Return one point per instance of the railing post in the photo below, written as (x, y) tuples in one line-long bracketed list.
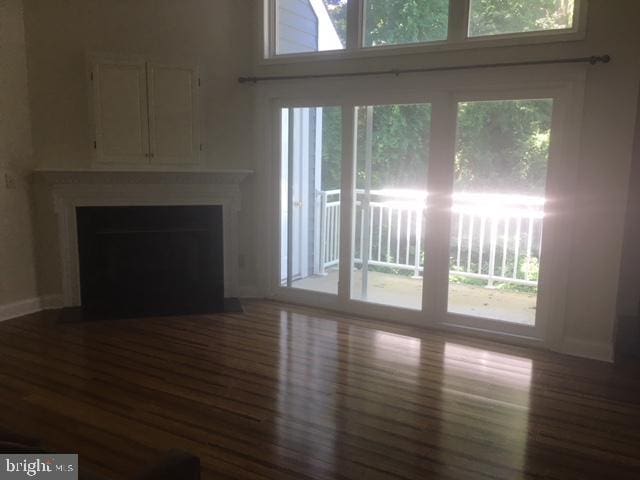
[(527, 273), (459, 246), (416, 269), (323, 232), (492, 251), (329, 223)]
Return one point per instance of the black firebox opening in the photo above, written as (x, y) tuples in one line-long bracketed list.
[(156, 260)]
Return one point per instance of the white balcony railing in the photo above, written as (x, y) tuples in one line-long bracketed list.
[(494, 237)]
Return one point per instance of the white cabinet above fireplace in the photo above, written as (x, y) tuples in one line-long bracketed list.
[(144, 114)]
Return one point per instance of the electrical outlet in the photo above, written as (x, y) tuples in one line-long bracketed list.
[(9, 181)]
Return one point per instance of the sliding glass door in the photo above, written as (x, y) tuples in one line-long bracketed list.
[(502, 152), (376, 215), (390, 198)]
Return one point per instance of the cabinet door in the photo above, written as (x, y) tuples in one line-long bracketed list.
[(173, 116), (120, 111)]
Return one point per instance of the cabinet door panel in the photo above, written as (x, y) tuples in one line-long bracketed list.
[(120, 107), (173, 114)]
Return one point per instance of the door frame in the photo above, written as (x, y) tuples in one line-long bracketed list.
[(561, 168), (565, 84)]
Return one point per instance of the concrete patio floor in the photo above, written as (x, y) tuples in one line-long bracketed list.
[(406, 292)]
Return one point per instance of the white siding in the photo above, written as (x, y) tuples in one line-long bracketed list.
[(297, 27)]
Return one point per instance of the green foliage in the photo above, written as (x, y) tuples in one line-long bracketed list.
[(394, 22), (491, 17), (502, 146), (464, 280), (530, 268), (331, 147), (400, 141), (397, 22), (478, 282)]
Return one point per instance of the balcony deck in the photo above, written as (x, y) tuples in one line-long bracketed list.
[(403, 291)]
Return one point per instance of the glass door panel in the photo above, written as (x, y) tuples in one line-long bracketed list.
[(311, 156), (502, 151), (390, 198)]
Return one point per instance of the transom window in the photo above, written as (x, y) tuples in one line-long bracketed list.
[(296, 27)]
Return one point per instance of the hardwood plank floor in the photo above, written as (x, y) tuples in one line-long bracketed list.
[(295, 393)]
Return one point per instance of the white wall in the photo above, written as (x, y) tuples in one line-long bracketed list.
[(17, 270), (628, 334), (605, 145), (215, 35)]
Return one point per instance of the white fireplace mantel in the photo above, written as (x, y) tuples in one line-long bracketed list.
[(94, 188)]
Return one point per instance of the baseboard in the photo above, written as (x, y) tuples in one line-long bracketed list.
[(29, 305), (250, 292), (586, 349), (51, 302), (17, 309)]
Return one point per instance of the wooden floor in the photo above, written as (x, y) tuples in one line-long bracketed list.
[(292, 393)]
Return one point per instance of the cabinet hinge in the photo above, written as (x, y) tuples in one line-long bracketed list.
[(91, 76), (95, 144), (201, 148), (199, 81)]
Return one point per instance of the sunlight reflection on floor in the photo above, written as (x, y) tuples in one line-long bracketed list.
[(397, 348), (475, 378)]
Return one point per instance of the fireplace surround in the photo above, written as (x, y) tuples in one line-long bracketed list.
[(73, 189)]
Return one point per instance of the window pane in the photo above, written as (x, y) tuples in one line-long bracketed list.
[(310, 198), (396, 22), (392, 155), (495, 17), (498, 208), (310, 25)]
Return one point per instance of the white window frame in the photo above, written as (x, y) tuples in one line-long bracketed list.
[(458, 36)]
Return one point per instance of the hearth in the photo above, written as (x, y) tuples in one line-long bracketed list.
[(150, 260)]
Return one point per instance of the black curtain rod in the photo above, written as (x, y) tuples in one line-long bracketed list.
[(592, 60)]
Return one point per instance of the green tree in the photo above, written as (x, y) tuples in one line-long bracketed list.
[(502, 146), (491, 17), (331, 147), (393, 22), (400, 144)]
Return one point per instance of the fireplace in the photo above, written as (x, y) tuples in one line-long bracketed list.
[(150, 260)]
